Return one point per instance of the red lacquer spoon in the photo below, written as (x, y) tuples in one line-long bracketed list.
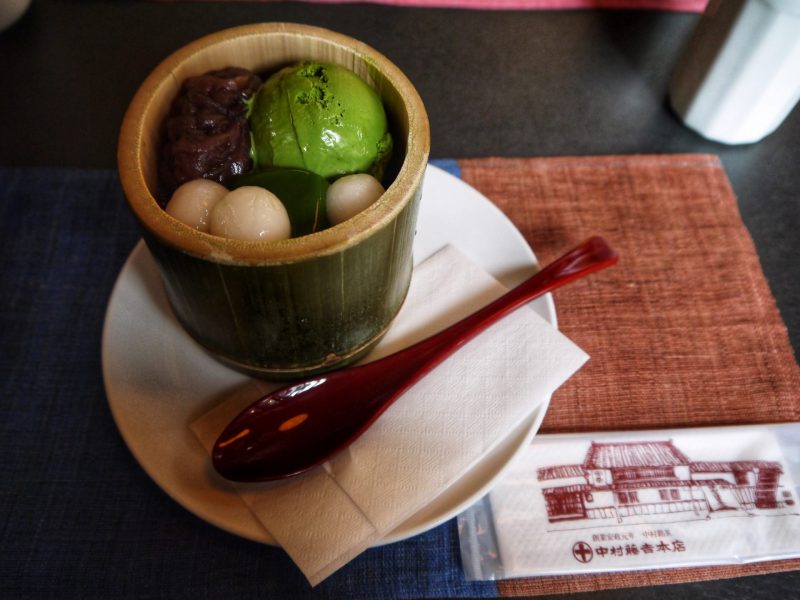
[(300, 426)]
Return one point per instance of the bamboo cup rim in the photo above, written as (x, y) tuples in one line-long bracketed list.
[(136, 154)]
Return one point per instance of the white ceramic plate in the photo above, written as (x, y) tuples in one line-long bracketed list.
[(158, 379)]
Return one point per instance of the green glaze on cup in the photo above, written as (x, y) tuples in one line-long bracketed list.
[(294, 307), (297, 318)]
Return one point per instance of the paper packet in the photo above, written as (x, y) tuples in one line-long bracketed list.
[(619, 501)]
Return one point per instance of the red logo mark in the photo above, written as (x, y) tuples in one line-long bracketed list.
[(582, 552)]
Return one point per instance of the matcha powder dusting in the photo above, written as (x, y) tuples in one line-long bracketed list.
[(322, 118)]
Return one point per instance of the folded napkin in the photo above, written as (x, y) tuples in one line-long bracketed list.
[(429, 438)]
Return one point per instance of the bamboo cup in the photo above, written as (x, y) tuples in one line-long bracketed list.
[(290, 308)]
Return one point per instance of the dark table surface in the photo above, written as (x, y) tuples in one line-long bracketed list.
[(504, 83)]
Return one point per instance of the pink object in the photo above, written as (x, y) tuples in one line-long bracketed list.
[(671, 5), (695, 6)]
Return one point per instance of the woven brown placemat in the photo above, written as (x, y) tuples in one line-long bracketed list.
[(682, 332)]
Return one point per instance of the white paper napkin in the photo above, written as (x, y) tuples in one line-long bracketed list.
[(430, 437)]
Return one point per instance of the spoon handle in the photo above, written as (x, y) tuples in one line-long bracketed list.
[(588, 257)]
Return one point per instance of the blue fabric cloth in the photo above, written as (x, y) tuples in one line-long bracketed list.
[(79, 517), (448, 164)]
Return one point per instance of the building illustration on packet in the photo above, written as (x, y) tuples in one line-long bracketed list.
[(654, 482), (610, 501)]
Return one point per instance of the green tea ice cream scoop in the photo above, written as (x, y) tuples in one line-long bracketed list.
[(322, 118)]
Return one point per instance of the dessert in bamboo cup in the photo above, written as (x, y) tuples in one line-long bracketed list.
[(303, 305)]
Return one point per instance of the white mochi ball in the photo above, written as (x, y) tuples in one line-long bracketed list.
[(250, 213), (192, 202), (349, 195)]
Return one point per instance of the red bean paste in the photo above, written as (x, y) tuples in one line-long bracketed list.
[(207, 134)]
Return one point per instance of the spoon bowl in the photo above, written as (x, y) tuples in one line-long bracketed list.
[(300, 426)]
